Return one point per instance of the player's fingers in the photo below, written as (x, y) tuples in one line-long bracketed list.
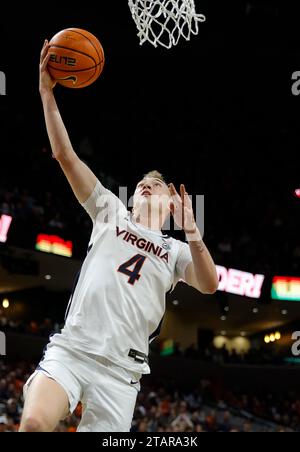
[(45, 61), (182, 193), (182, 198), (44, 50), (41, 53), (174, 193), (172, 189), (185, 196)]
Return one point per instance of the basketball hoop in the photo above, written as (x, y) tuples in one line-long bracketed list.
[(164, 22)]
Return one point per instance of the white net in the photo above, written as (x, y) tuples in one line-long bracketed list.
[(164, 22)]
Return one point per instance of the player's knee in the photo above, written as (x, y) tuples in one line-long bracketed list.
[(34, 423)]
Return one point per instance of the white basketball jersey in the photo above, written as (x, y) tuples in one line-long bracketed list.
[(119, 300)]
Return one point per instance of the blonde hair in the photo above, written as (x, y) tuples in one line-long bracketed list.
[(155, 174)]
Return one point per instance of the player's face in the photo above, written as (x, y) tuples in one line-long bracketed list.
[(154, 191), (150, 186)]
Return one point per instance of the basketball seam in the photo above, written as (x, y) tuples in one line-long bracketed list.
[(95, 67), (81, 34), (74, 50), (85, 81), (73, 70)]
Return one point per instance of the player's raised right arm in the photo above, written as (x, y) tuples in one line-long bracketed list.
[(80, 177)]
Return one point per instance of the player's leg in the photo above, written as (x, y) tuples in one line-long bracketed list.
[(46, 403)]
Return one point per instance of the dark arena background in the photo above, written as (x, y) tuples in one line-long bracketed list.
[(221, 114)]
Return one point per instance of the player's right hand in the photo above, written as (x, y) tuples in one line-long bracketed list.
[(46, 82)]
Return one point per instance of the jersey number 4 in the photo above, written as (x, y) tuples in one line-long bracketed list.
[(137, 262)]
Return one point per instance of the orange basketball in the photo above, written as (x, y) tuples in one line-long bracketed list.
[(77, 58)]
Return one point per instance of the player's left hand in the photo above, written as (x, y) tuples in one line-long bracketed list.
[(182, 209)]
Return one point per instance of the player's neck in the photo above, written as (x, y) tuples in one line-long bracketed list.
[(152, 222)]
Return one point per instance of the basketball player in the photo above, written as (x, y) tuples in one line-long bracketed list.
[(118, 302)]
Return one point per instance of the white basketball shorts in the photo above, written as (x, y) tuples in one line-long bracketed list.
[(107, 392)]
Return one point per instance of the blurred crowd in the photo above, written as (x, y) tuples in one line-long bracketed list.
[(45, 213), (208, 353), (37, 328), (163, 407)]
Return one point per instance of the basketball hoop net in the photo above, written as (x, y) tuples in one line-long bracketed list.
[(163, 22)]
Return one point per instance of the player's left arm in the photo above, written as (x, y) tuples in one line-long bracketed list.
[(201, 272)]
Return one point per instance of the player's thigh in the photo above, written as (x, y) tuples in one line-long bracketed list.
[(46, 402)]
